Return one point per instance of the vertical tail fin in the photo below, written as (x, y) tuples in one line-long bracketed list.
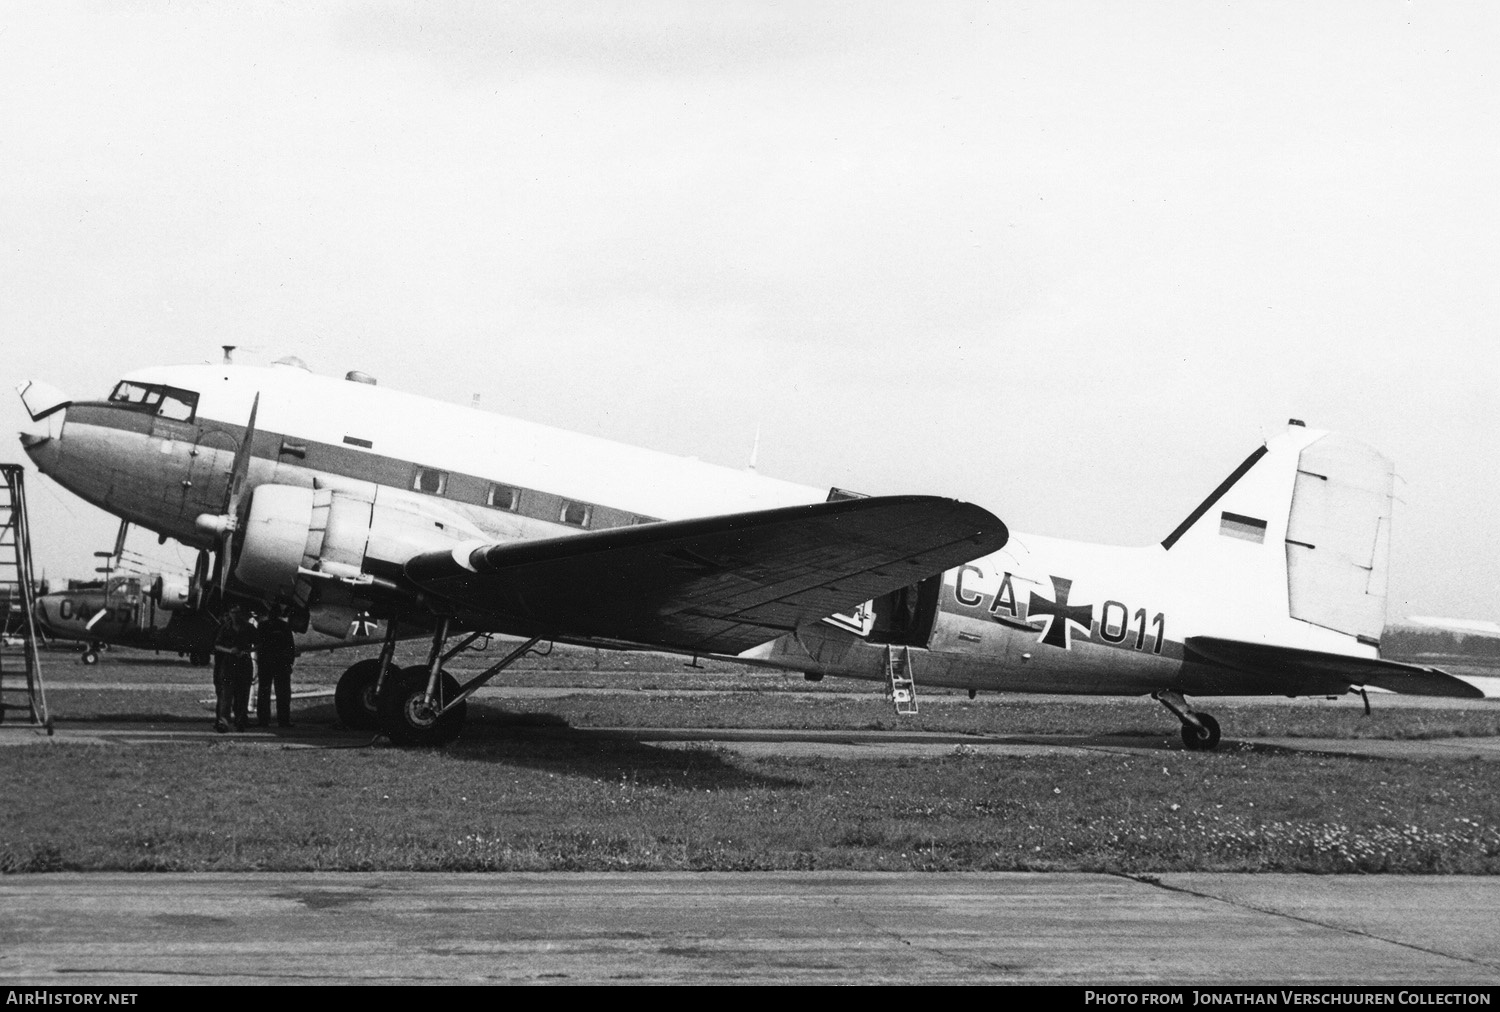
[(1299, 533)]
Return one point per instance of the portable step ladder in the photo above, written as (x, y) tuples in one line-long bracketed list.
[(900, 685), (20, 667)]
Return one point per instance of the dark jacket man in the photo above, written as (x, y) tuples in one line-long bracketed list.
[(274, 656), (233, 669)]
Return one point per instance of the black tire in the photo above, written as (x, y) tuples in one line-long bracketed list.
[(354, 696), (406, 718), (89, 656), (1204, 740)]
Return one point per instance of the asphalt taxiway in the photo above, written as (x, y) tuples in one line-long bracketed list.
[(123, 930)]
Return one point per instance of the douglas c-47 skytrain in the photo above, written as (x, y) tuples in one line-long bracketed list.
[(339, 499)]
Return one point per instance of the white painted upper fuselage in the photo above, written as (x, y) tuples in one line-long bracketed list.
[(458, 439)]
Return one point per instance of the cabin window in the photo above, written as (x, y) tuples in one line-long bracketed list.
[(430, 480), (576, 513), (503, 497)]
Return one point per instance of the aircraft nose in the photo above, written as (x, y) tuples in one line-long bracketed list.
[(40, 449), (48, 407), (41, 611)]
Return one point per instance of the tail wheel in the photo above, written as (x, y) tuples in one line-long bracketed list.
[(408, 717), (354, 696), (1204, 739), (89, 656)]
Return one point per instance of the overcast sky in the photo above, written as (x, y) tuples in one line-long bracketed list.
[(1071, 261)]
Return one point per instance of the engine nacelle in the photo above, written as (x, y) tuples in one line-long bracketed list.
[(358, 533), (276, 536), (172, 594)]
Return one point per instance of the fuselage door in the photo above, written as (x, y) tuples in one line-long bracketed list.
[(905, 617)]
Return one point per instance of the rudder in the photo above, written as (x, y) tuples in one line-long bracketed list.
[(1338, 537)]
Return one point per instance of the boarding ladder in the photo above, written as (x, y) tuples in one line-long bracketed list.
[(900, 685), (20, 667)]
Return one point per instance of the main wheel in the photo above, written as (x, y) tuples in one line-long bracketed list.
[(1205, 739), (354, 696), (408, 717)]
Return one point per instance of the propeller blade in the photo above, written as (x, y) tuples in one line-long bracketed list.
[(241, 469), (120, 540), (237, 475), (202, 573)]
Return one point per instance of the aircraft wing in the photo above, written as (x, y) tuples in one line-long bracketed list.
[(714, 584), (1290, 664)]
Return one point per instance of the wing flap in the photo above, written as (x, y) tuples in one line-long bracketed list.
[(714, 584), (1289, 664)]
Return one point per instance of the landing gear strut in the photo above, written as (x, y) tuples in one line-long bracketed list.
[(1200, 732), (424, 705)]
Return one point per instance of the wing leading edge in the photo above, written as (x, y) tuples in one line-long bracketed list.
[(714, 584), (1315, 668)]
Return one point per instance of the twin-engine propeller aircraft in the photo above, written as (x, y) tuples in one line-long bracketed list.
[(336, 498), (142, 612), (157, 612), (340, 499)]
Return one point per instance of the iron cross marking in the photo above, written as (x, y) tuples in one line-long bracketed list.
[(1059, 613)]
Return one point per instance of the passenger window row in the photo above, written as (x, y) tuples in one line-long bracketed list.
[(527, 502)]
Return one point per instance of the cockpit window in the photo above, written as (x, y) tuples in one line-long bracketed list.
[(168, 402), (179, 405), (135, 393)]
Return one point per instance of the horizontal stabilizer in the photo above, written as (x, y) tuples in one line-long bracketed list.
[(718, 584), (1289, 663)]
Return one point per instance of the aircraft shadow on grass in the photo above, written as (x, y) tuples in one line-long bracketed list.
[(545, 741)]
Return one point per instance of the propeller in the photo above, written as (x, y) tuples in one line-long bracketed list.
[(224, 525), (198, 585), (119, 551)]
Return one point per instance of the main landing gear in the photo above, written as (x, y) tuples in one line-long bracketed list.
[(1200, 732), (356, 695), (415, 710), (417, 705)]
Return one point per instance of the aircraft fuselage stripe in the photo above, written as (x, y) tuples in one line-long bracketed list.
[(348, 462)]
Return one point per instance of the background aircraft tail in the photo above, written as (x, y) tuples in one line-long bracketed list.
[(1297, 537)]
